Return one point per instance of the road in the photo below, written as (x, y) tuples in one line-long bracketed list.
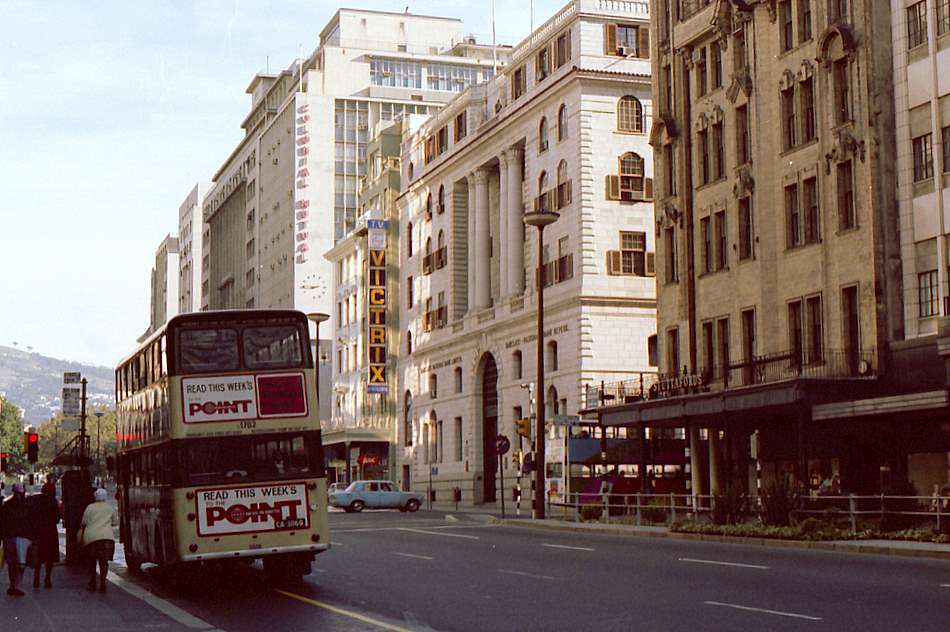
[(421, 571)]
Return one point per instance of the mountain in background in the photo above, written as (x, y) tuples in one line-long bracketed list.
[(34, 383)]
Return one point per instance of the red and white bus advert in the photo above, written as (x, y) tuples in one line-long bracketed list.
[(223, 398), (252, 509)]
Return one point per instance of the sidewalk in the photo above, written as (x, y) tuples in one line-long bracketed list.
[(70, 607), (899, 548), (481, 510)]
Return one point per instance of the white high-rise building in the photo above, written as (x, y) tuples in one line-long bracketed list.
[(190, 229), (288, 191)]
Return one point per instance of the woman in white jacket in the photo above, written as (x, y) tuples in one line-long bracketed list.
[(97, 539)]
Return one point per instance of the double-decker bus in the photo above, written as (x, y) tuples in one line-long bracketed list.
[(220, 454)]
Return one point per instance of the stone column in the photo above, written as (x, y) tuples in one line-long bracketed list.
[(515, 212), (482, 236), (715, 466), (501, 256), (470, 179)]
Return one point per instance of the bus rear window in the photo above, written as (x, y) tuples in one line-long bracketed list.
[(250, 459), (275, 347), (207, 350)]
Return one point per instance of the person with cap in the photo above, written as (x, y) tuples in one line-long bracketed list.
[(45, 519), (16, 529), (97, 539)]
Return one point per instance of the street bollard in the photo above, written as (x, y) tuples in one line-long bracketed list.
[(672, 508), (638, 509), (606, 509)]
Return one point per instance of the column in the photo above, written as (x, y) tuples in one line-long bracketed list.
[(715, 468), (695, 461), (482, 235), (515, 212), (501, 255), (470, 246)]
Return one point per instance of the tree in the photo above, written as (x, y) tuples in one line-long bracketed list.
[(101, 432), (11, 435)]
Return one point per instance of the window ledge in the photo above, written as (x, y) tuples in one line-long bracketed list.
[(799, 146), (844, 231)]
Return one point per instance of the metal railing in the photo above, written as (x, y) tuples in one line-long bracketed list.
[(763, 369), (851, 511)]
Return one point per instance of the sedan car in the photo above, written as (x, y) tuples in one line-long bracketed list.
[(374, 495)]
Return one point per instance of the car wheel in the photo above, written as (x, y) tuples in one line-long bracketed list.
[(412, 505), (357, 506)]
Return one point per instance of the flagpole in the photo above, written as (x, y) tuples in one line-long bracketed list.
[(494, 52), (300, 67)]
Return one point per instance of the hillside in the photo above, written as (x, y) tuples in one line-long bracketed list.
[(34, 382)]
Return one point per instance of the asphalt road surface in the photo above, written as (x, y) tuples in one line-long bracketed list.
[(394, 571)]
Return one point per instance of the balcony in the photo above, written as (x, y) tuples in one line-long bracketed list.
[(821, 364)]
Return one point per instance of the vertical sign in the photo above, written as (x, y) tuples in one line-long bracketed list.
[(376, 300), (302, 181)]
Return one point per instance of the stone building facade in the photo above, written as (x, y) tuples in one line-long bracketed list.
[(563, 128)]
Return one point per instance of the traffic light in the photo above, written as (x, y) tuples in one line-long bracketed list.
[(527, 463), (32, 447), (523, 427), (3, 462), (516, 458)]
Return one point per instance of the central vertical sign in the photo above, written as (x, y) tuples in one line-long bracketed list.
[(376, 304)]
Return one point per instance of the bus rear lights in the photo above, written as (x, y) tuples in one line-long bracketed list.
[(191, 517), (315, 537), (193, 547)]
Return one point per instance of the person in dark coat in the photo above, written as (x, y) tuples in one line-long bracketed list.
[(45, 519), (16, 529)]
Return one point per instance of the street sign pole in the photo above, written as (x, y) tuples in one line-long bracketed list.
[(501, 475), (502, 445)]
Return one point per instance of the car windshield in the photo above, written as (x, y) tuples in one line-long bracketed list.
[(249, 459)]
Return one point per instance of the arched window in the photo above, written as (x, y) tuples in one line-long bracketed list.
[(630, 115), (562, 172), (441, 205), (409, 239), (433, 385), (429, 207), (551, 402), (562, 123), (408, 343), (542, 182), (428, 250), (440, 243), (411, 171), (552, 356), (543, 135), (516, 366), (407, 419), (458, 379), (631, 172), (427, 263)]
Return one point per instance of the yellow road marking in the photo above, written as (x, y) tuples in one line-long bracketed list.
[(341, 611)]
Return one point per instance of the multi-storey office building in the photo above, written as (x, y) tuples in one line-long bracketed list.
[(779, 261), (190, 231), (163, 295), (921, 40), (289, 189), (360, 432), (563, 128)]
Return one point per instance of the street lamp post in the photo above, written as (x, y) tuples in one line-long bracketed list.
[(98, 415), (317, 318), (540, 219)]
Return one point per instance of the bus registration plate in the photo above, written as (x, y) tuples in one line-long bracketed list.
[(252, 508)]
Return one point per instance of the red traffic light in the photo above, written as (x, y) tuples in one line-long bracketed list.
[(33, 438)]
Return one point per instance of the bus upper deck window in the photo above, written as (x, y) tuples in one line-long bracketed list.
[(208, 350), (274, 347)]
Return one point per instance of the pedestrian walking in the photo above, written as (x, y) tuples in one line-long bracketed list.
[(45, 518), (96, 538), (16, 529)]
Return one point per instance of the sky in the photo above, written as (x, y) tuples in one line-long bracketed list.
[(110, 112)]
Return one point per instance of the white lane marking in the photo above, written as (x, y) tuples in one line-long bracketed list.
[(523, 574), (718, 563), (762, 610), (417, 557), (460, 526), (165, 607), (564, 546), (448, 535), (945, 585), (336, 544)]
